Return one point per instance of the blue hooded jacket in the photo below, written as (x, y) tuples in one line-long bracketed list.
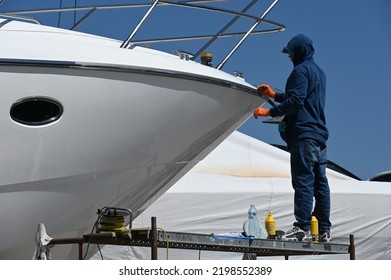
[(304, 99)]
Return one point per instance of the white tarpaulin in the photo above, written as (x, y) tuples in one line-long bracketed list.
[(215, 195)]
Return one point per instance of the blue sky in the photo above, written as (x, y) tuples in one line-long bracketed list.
[(351, 39)]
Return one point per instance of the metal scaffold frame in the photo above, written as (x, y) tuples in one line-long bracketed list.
[(155, 239)]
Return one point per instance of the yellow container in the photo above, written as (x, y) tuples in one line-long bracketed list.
[(206, 58), (270, 225), (314, 227)]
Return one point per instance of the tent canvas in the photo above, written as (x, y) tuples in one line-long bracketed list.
[(215, 195)]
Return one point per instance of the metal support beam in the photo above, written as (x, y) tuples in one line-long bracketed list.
[(352, 247), (206, 242), (154, 239)]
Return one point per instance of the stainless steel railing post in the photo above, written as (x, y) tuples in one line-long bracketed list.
[(83, 19), (225, 28), (246, 35), (126, 43)]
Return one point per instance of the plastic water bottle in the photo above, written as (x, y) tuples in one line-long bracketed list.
[(253, 223), (252, 227)]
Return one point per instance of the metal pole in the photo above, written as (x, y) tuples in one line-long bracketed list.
[(203, 37), (223, 30), (81, 250), (247, 34), (125, 44), (352, 247), (153, 239), (103, 7), (76, 25)]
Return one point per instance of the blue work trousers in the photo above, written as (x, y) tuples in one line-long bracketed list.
[(308, 169)]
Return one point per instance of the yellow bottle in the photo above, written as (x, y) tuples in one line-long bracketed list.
[(270, 225), (314, 227)]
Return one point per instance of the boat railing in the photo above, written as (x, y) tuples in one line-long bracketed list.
[(191, 4), (22, 18)]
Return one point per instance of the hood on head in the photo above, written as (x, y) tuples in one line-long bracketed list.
[(300, 49)]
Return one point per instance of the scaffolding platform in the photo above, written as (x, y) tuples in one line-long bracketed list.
[(208, 242), (262, 247)]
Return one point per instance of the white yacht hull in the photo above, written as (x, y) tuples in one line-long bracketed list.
[(123, 139)]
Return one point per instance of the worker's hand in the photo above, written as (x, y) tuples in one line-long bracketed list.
[(261, 112), (267, 90)]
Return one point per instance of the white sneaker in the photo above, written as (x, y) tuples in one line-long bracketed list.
[(325, 237), (297, 234)]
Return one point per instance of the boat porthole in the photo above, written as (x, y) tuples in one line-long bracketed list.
[(36, 111)]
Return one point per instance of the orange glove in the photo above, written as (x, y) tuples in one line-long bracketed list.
[(261, 112), (267, 90)]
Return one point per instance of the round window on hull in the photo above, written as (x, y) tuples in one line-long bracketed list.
[(36, 111)]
